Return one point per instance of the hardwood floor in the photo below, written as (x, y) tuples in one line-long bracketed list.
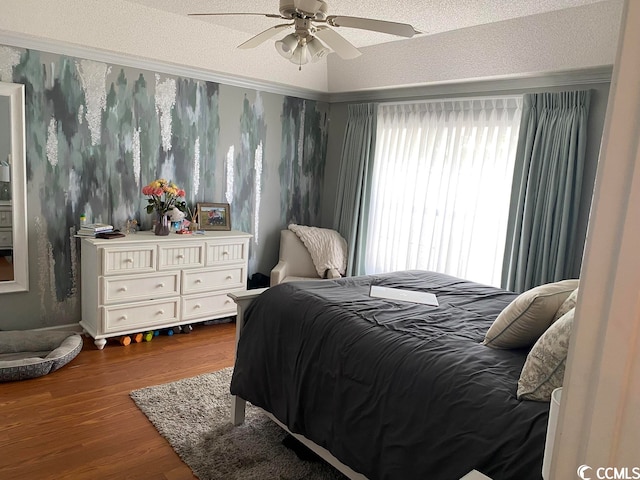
[(80, 423)]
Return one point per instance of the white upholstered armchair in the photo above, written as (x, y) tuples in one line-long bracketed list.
[(296, 263)]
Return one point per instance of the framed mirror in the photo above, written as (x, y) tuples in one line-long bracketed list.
[(14, 268)]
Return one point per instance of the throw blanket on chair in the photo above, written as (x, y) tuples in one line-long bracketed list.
[(327, 248)]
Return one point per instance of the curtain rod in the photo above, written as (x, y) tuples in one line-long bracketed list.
[(454, 99)]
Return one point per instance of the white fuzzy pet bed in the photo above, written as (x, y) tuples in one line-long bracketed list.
[(33, 353)]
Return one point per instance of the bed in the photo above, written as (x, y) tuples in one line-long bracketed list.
[(391, 389)]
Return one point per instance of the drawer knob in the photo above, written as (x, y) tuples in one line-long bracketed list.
[(197, 305), (161, 312), (129, 260), (180, 255), (227, 301), (198, 280), (123, 289), (229, 277), (161, 285), (123, 317), (225, 253)]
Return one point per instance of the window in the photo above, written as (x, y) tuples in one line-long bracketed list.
[(441, 185)]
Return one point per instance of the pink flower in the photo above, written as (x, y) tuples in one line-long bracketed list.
[(163, 196)]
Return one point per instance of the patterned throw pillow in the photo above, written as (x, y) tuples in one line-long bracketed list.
[(522, 322), (543, 370), (568, 304)]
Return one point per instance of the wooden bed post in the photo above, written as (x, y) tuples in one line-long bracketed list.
[(243, 300)]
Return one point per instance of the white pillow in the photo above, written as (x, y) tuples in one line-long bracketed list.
[(528, 316), (567, 305), (543, 370)]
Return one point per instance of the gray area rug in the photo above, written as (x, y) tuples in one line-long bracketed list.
[(193, 415)]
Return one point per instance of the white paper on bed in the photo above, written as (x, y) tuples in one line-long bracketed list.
[(475, 475), (403, 294)]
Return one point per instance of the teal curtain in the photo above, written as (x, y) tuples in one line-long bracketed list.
[(354, 182), (541, 237)]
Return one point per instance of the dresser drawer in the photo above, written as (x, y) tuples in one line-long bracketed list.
[(141, 315), (226, 252), (138, 259), (207, 306), (229, 278), (6, 238), (180, 256), (126, 288)]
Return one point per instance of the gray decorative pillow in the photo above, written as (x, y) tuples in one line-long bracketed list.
[(543, 370), (528, 316), (567, 305)]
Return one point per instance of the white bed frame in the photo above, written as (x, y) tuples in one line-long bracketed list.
[(243, 300)]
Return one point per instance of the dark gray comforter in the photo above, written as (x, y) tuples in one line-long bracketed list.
[(395, 390)]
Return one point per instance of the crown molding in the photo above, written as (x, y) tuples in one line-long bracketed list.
[(601, 74), (90, 53), (510, 84)]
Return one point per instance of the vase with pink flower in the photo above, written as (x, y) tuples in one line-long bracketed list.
[(163, 197)]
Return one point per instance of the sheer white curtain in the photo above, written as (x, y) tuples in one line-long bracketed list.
[(441, 186)]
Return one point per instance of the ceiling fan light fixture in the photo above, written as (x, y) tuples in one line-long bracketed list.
[(310, 20), (300, 55), (317, 50), (287, 46)]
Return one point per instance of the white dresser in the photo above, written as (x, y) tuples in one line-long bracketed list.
[(6, 234), (146, 282)]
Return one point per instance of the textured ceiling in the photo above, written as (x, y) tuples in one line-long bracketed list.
[(464, 40), (427, 16)]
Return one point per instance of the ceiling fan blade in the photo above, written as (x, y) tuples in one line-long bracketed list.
[(337, 43), (383, 26), (269, 15), (263, 36)]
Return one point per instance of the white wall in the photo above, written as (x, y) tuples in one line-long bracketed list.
[(599, 424)]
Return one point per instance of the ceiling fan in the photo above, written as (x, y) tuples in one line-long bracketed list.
[(312, 30)]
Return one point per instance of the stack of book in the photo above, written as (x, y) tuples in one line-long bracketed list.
[(92, 229)]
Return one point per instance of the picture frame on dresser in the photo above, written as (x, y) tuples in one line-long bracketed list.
[(214, 216)]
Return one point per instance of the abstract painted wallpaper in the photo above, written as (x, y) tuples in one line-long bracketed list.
[(96, 133), (302, 162)]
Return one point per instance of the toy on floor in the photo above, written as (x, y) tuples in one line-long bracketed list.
[(148, 336)]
